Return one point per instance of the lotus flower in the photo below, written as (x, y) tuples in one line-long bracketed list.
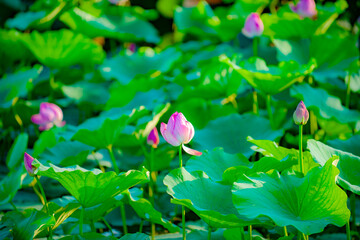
[(28, 164), (178, 132), (301, 114), (304, 8), (50, 115), (153, 138), (254, 27)]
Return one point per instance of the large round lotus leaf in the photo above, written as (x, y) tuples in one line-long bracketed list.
[(63, 48), (215, 162), (350, 145), (10, 184), (91, 187), (349, 164), (323, 104), (230, 132), (271, 79), (125, 27), (308, 204), (125, 66), (209, 200)]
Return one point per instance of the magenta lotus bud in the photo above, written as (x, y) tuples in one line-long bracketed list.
[(305, 8), (153, 138), (301, 114), (254, 27), (28, 164), (50, 115), (178, 132)]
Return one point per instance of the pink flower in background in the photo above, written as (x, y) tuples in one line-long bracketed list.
[(28, 164), (50, 115), (178, 132), (254, 27), (301, 114), (153, 138), (304, 8)]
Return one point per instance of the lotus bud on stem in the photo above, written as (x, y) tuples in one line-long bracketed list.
[(301, 117)]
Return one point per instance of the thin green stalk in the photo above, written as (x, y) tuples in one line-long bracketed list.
[(13, 205), (300, 149), (285, 231), (242, 234), (123, 217), (255, 46), (250, 232), (209, 233), (348, 91), (348, 231), (81, 221), (141, 226), (42, 193), (268, 107), (353, 209), (273, 5), (92, 225), (182, 207), (255, 103), (151, 189), (111, 153), (108, 226)]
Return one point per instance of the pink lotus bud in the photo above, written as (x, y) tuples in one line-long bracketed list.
[(153, 138), (254, 27), (304, 8), (301, 114), (28, 164), (50, 115), (178, 132)]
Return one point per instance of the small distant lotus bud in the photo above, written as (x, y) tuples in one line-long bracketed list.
[(153, 138), (50, 115), (305, 8), (254, 27), (178, 132), (28, 164), (301, 114)]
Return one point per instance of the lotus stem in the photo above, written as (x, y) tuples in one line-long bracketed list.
[(123, 217), (348, 92), (209, 233), (108, 226), (353, 209), (255, 103), (300, 149), (81, 221), (273, 6), (113, 160), (255, 46), (141, 226), (151, 189), (13, 205), (242, 234), (268, 106), (45, 202), (92, 225), (348, 231), (182, 207), (285, 232), (250, 232)]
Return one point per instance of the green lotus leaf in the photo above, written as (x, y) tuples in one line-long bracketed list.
[(323, 104), (91, 187), (125, 26), (308, 204), (349, 164), (27, 224), (66, 153), (135, 236), (145, 210), (24, 20), (209, 200), (15, 85), (88, 236), (273, 79), (271, 149), (215, 162), (63, 48), (10, 184), (349, 145), (230, 132), (126, 66), (16, 153)]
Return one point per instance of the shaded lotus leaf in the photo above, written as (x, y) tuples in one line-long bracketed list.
[(23, 20), (127, 65), (125, 26), (63, 48), (145, 210), (10, 184), (88, 236), (15, 155), (349, 145), (215, 162), (91, 187), (67, 153), (323, 104), (271, 149), (349, 164), (27, 224), (211, 201), (135, 236), (231, 132), (273, 79), (16, 85), (309, 203)]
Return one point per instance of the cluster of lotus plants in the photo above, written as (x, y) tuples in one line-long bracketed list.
[(179, 119)]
